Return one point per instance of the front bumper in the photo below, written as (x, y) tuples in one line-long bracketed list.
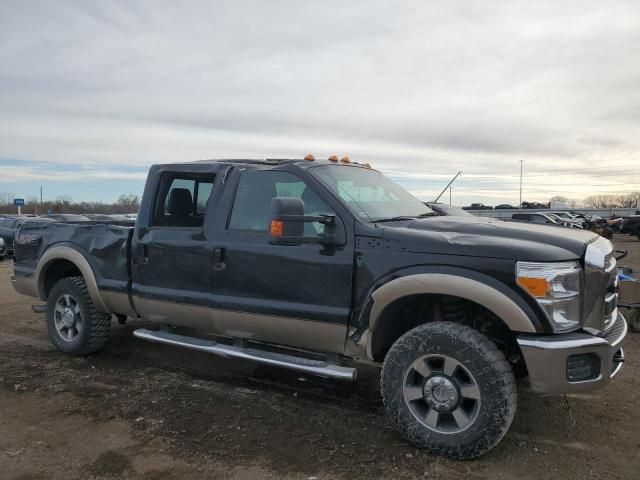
[(548, 359)]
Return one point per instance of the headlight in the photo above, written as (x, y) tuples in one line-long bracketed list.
[(557, 288)]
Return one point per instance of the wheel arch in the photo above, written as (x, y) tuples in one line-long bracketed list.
[(478, 290), (63, 261)]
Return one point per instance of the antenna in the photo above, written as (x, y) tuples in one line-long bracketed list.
[(448, 185)]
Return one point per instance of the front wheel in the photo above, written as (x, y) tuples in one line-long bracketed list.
[(447, 388), (74, 325)]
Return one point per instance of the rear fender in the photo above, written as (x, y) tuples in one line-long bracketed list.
[(74, 256)]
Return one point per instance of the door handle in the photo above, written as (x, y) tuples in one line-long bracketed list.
[(218, 258)]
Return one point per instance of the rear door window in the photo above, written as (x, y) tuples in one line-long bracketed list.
[(182, 200)]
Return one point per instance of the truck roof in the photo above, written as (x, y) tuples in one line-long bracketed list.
[(268, 162)]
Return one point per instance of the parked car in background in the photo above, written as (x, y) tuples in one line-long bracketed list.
[(9, 227), (539, 218), (567, 217), (478, 206), (123, 219), (504, 206), (3, 249), (631, 225), (448, 210), (99, 217), (535, 205), (564, 221), (66, 217)]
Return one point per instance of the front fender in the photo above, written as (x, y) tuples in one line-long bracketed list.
[(493, 294), (488, 296)]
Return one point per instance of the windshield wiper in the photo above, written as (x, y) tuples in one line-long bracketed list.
[(430, 214), (393, 219)]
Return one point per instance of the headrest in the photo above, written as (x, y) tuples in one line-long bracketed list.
[(180, 202)]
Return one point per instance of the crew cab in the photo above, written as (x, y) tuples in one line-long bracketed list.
[(322, 265)]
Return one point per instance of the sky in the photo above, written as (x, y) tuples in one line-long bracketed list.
[(92, 93)]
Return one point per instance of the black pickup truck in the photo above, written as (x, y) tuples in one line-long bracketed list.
[(319, 266)]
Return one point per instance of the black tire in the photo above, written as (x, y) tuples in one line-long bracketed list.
[(91, 329), (478, 361)]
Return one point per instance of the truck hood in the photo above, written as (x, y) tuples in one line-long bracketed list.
[(489, 237)]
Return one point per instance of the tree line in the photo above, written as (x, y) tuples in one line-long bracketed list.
[(131, 203), (624, 200), (66, 204), (627, 200)]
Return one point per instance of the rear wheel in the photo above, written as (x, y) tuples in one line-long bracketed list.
[(447, 388), (74, 325)]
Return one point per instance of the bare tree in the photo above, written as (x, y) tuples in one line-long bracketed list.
[(6, 198), (128, 203), (634, 199), (627, 200), (598, 201), (31, 205)]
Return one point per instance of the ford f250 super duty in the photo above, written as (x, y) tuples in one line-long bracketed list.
[(321, 265)]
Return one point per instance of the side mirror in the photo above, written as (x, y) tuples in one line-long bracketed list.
[(288, 219)]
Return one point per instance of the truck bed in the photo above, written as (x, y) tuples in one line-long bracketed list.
[(104, 246)]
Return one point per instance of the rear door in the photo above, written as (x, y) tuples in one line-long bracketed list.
[(171, 252), (294, 295)]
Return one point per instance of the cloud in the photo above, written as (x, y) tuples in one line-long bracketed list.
[(415, 88), (22, 172)]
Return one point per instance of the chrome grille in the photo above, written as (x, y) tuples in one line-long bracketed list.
[(616, 330), (600, 286), (611, 294)]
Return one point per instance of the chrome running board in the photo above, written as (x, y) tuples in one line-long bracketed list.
[(316, 367)]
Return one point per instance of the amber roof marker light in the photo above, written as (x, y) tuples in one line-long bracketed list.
[(345, 159), (333, 158), (309, 157)]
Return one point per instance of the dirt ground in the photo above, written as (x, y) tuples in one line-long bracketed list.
[(144, 411)]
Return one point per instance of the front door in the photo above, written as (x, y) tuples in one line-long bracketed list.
[(294, 295)]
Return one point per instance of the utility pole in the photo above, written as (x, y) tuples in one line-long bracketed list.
[(40, 195), (450, 188), (520, 204)]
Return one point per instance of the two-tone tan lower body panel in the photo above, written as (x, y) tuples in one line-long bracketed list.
[(294, 332)]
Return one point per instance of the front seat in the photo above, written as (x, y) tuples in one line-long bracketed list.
[(180, 208)]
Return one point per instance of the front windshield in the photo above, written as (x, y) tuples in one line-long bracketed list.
[(370, 195)]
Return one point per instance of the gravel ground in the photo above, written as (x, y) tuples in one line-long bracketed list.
[(144, 411)]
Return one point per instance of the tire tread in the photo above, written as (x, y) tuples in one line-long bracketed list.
[(99, 324), (462, 334)]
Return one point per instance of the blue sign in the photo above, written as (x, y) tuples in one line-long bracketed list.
[(18, 202)]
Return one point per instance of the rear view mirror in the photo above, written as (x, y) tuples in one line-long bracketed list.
[(288, 219)]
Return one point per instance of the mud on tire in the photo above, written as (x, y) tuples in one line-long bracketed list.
[(457, 371), (74, 325)]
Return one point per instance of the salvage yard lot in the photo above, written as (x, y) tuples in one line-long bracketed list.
[(143, 410)]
